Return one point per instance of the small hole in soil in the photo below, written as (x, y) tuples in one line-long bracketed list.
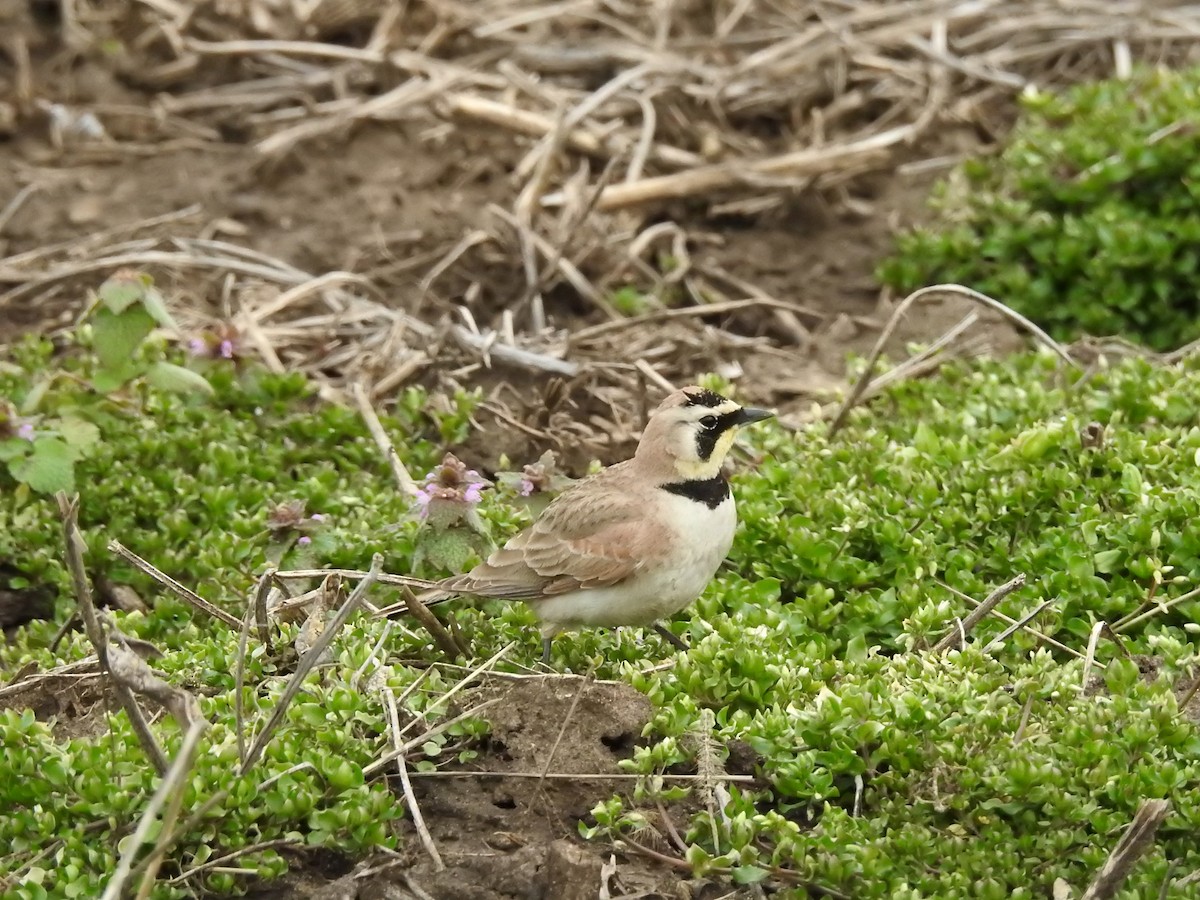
[(499, 749), (503, 801), (617, 742)]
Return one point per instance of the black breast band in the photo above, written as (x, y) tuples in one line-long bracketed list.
[(711, 492)]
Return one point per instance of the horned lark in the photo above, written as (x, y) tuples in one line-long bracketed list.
[(634, 543)]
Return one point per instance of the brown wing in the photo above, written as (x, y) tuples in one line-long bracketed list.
[(593, 535)]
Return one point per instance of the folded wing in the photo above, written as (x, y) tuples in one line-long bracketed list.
[(593, 536)]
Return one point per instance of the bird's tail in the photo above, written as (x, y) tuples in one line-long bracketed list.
[(435, 596)]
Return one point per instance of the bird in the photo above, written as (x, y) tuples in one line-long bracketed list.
[(634, 543)]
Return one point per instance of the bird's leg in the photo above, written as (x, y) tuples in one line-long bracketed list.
[(666, 633)]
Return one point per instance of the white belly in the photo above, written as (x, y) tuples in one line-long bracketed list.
[(700, 540)]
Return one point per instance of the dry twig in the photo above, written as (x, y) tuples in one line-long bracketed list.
[(170, 790), (184, 593), (955, 637), (937, 291), (69, 510), (450, 647), (307, 661), (393, 721), (1133, 844)]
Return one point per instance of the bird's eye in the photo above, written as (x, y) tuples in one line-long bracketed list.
[(709, 422)]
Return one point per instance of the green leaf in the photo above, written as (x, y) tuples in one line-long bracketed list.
[(765, 591), (925, 439), (748, 874), (117, 336), (856, 648), (1107, 561), (34, 397), (169, 377), (11, 448), (108, 380), (80, 434), (49, 468), (157, 307), (122, 290)]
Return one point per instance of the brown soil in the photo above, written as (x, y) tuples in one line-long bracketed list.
[(503, 838), (73, 702)]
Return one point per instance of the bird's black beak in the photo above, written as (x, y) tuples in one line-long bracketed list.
[(748, 415)]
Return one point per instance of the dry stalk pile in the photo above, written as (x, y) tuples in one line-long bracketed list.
[(638, 124)]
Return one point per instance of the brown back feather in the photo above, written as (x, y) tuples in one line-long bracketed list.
[(593, 535)]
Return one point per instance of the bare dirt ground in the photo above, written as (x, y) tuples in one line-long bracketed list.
[(569, 212)]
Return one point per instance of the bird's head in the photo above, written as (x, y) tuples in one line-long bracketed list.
[(693, 429)]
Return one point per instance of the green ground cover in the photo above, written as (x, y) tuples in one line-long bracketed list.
[(890, 770)]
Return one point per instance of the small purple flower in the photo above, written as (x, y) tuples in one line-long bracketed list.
[(526, 487), (218, 342), (449, 492), (25, 431), (303, 539), (291, 516)]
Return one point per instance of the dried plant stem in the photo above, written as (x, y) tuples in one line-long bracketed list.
[(176, 778), (68, 508), (308, 660), (18, 200), (407, 747), (593, 776), (935, 291), (170, 789), (423, 614), (719, 308), (393, 719), (955, 637), (186, 594), (1185, 698), (566, 268), (578, 137), (367, 411), (705, 180), (261, 592), (235, 854), (239, 685), (169, 836), (1123, 625), (1133, 844), (1089, 657), (298, 48), (583, 686), (471, 677), (354, 575), (1044, 638), (518, 356), (1019, 624), (923, 362)]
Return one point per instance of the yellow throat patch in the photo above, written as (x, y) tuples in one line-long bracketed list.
[(702, 470)]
